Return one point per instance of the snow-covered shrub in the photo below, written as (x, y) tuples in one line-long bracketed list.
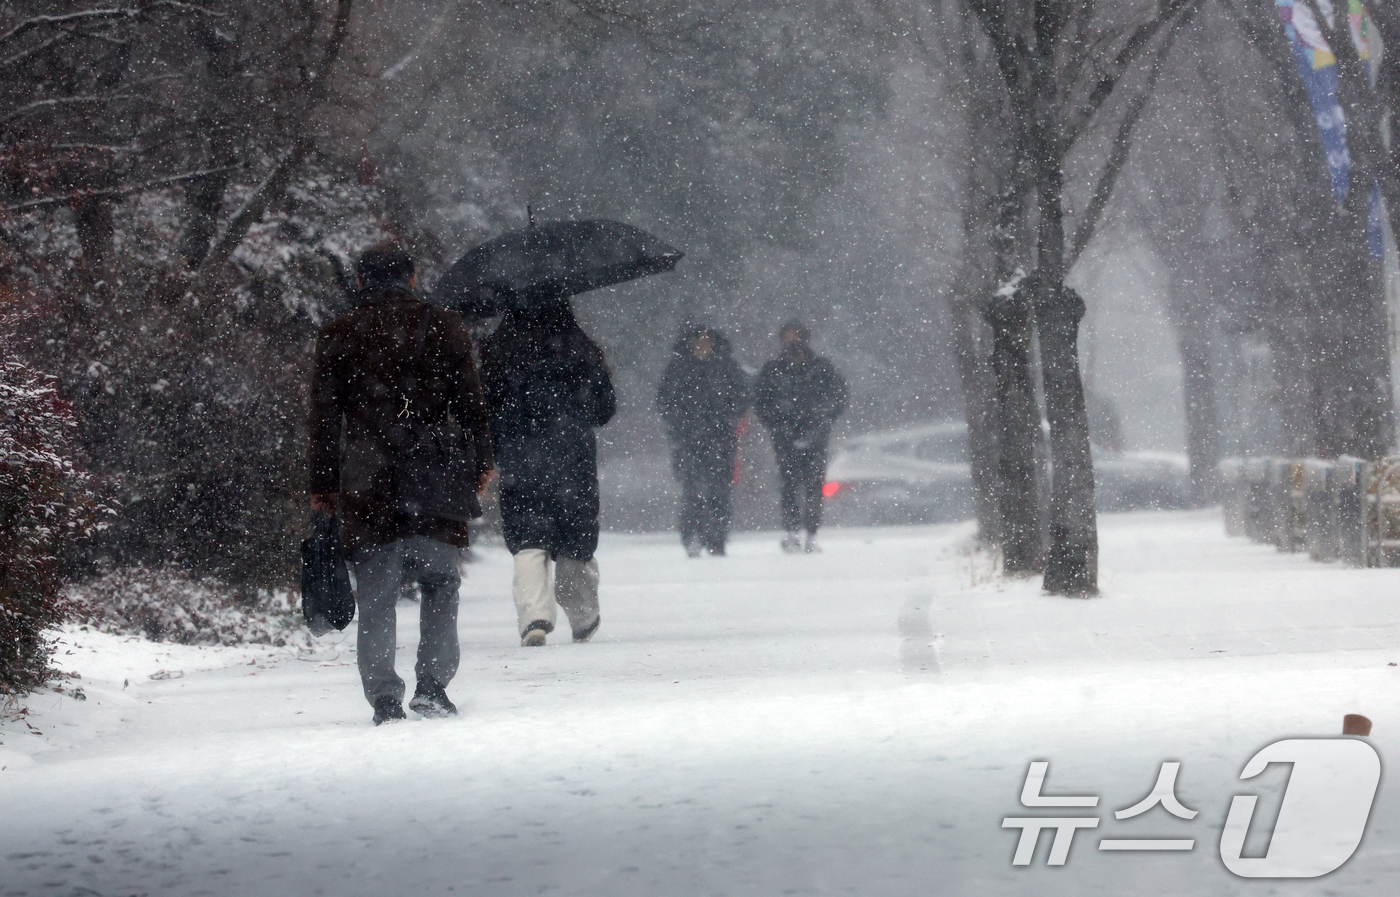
[(45, 504), (195, 406), (166, 605)]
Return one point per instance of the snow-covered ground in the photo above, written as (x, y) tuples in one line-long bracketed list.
[(857, 722)]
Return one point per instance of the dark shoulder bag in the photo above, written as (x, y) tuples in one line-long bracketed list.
[(434, 467)]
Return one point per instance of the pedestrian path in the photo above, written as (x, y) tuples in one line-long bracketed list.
[(855, 722)]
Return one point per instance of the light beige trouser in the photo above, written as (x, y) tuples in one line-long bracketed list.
[(539, 591)]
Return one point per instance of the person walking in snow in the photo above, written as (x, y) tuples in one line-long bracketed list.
[(702, 396), (798, 397), (388, 375), (547, 387)]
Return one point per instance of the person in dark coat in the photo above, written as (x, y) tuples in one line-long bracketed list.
[(388, 364), (798, 397), (702, 396), (547, 387)]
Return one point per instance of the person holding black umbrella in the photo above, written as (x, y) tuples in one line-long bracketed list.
[(798, 397), (702, 396), (399, 448), (547, 387)]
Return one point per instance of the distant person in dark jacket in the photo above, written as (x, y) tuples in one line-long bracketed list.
[(547, 388), (798, 397), (702, 396), (390, 364)]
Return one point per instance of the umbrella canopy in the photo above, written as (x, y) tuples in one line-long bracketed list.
[(550, 260)]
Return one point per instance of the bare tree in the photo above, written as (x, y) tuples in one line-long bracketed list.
[(173, 241), (1333, 339), (1061, 62)]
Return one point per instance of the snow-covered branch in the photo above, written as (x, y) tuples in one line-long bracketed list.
[(275, 185), (72, 18), (126, 190), (54, 102), (103, 14)]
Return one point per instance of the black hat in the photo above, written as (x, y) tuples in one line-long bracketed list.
[(383, 266), (796, 326)]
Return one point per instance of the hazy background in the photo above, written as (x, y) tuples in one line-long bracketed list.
[(825, 159), (809, 158)]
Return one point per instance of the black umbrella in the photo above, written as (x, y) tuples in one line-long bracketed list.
[(550, 260)]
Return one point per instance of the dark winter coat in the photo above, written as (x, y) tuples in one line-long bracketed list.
[(701, 401), (547, 387), (362, 359), (798, 396)]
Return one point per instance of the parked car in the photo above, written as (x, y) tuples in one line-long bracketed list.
[(923, 474)]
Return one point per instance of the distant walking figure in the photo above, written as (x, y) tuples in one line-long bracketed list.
[(702, 396), (547, 388), (399, 447), (798, 397)]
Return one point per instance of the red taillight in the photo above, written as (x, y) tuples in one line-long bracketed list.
[(830, 489)]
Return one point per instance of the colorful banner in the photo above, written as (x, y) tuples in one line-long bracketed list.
[(1318, 67), (1364, 38)]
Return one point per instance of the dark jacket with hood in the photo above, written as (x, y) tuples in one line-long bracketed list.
[(547, 387), (362, 359), (798, 396), (701, 401)]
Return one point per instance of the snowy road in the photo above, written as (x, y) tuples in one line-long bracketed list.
[(858, 722)]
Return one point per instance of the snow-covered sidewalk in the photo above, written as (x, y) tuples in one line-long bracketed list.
[(856, 722)]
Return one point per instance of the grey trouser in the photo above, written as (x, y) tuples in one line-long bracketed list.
[(537, 594), (379, 572)]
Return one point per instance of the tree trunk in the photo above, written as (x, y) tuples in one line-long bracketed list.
[(268, 193), (205, 201), (274, 187), (1018, 431), (1347, 357), (979, 394), (1017, 413), (224, 70), (1353, 374), (1202, 422), (972, 343), (1387, 19), (1072, 561), (92, 217), (1072, 557), (976, 284), (1295, 394), (1363, 400)]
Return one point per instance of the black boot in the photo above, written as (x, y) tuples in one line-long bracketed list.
[(430, 700), (387, 709)]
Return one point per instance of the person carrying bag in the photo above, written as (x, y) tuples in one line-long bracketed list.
[(399, 447)]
